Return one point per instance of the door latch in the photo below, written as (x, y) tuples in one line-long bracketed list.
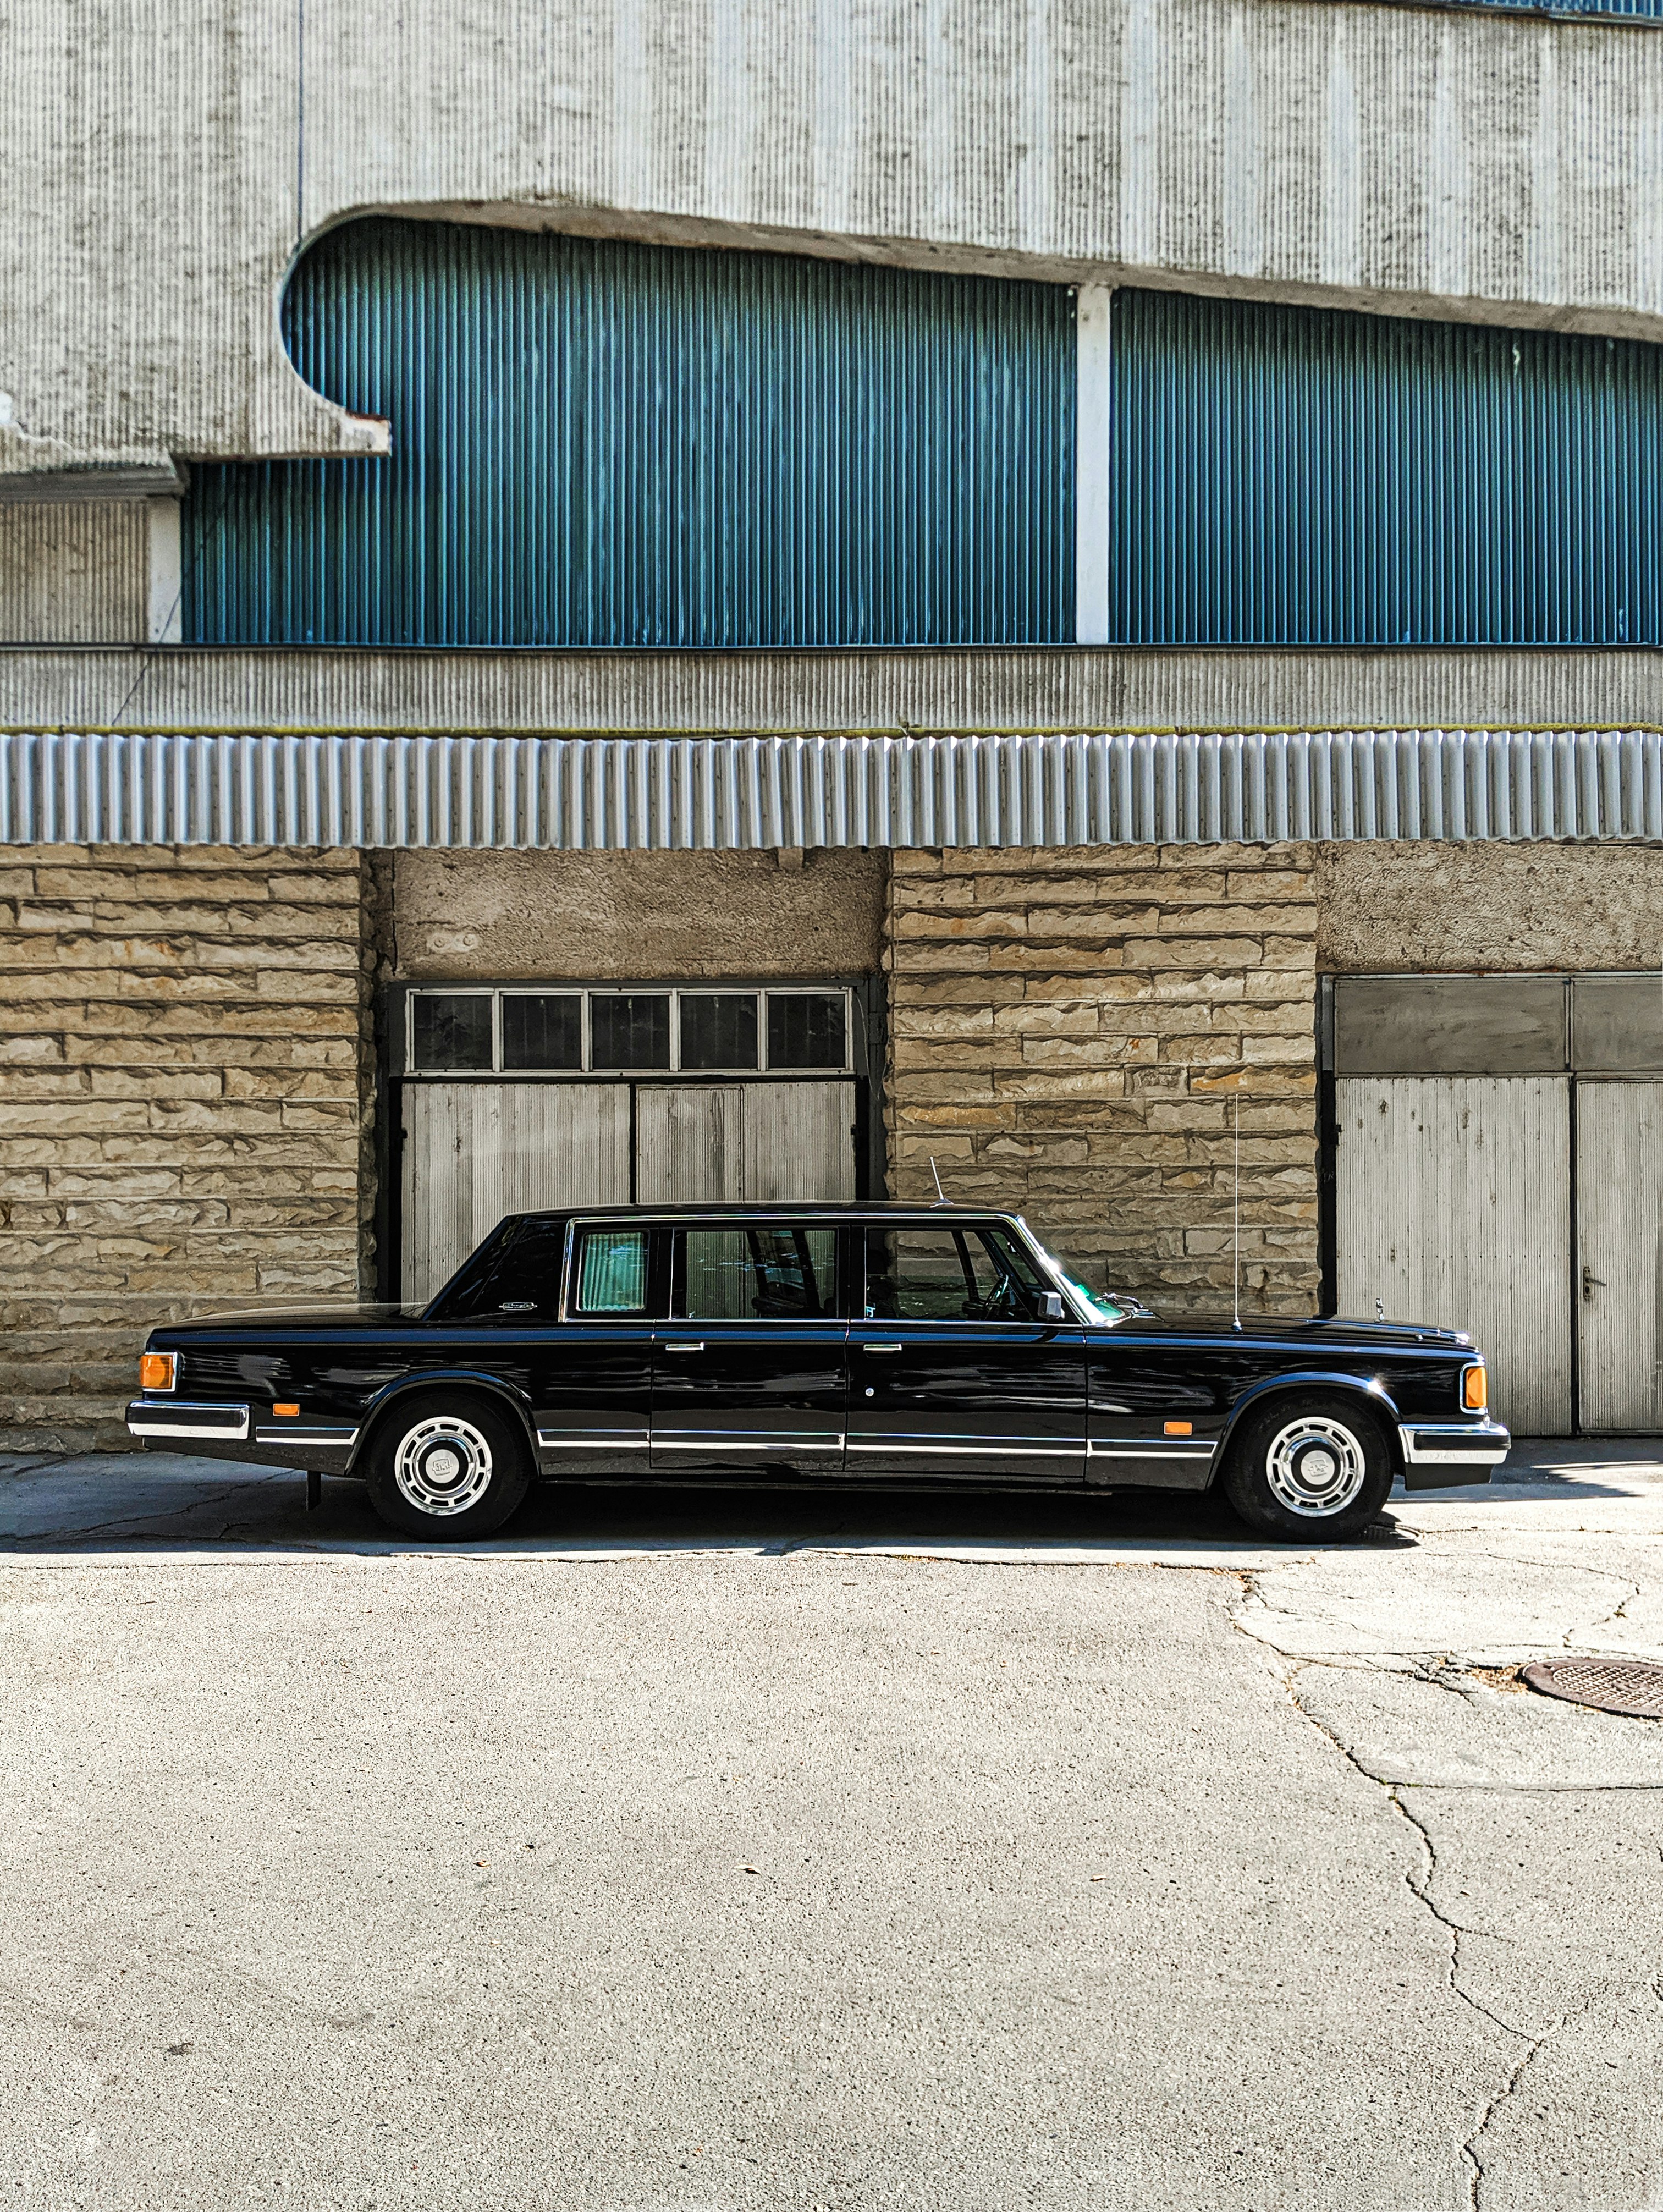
[(1591, 1282)]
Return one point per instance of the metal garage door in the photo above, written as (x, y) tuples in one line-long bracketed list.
[(474, 1151), (1499, 1168), (1619, 1252), (756, 1141), (1453, 1205)]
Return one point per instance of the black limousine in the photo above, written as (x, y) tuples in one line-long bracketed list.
[(858, 1344)]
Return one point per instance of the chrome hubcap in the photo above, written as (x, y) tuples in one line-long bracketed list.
[(444, 1466), (1316, 1468)]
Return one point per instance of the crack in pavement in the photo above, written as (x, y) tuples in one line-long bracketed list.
[(24, 1544), (1420, 1888)]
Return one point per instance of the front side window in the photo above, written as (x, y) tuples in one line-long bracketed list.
[(947, 1274), (776, 1271), (611, 1271)]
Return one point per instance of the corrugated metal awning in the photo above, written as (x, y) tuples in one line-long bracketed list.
[(704, 792)]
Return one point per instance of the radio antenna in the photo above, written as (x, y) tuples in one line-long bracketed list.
[(941, 1195), (1236, 1209)]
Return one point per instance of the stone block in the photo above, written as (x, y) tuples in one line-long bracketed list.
[(909, 1019), (1235, 920), (1102, 1052), (1051, 922), (982, 923), (1055, 1017), (1052, 959)]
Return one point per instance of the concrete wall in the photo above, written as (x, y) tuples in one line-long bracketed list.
[(1405, 159), (78, 573), (1073, 1032), (609, 916), (1387, 906), (185, 1057), (1021, 688)]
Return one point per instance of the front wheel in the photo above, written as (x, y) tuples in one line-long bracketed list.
[(447, 1470), (1315, 1467)]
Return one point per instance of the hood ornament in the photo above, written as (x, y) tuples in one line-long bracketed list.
[(1379, 1308)]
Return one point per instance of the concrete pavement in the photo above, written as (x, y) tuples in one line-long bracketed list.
[(717, 1853)]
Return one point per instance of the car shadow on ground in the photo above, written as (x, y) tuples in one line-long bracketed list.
[(186, 1506)]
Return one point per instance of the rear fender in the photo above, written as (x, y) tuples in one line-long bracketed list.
[(442, 1382), (1365, 1390)]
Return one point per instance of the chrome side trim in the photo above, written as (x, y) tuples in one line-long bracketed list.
[(784, 1441), (1453, 1443), (990, 1448), (180, 1417), (297, 1433), (603, 1440), (1151, 1450)]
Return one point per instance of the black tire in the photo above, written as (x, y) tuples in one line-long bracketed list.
[(1313, 1467), (447, 1467)]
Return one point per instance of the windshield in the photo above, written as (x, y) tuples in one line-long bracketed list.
[(1099, 1304)]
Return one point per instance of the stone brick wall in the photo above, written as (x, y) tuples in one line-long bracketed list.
[(1069, 1029), (185, 1070)]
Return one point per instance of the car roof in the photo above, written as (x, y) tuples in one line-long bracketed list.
[(857, 1209)]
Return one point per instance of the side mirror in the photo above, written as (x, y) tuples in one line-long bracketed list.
[(1052, 1307)]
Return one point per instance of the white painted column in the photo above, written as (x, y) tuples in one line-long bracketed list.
[(1092, 426), (165, 622)]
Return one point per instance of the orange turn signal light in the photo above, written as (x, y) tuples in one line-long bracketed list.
[(1475, 1389), (1181, 1428), (290, 1410), (156, 1370)]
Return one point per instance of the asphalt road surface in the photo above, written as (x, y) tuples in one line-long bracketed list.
[(701, 1854)]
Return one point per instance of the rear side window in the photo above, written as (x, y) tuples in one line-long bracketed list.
[(946, 1274), (774, 1271), (524, 1284), (611, 1271), (513, 1276)]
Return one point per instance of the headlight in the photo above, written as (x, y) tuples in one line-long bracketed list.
[(1475, 1389), (156, 1370)]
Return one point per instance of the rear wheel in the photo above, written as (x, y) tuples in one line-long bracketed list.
[(447, 1468), (1315, 1467)]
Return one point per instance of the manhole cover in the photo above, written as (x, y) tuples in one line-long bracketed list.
[(1614, 1686)]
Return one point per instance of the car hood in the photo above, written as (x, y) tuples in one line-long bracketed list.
[(285, 1317), (1332, 1329)]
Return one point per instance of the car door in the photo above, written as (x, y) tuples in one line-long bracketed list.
[(592, 1382), (749, 1372), (952, 1376)]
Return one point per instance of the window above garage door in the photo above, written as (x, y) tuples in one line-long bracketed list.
[(630, 1029)]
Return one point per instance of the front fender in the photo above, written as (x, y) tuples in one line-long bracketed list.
[(442, 1379), (1367, 1389)]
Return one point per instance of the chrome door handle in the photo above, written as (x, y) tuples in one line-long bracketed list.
[(685, 1348), (1591, 1282), (881, 1347)]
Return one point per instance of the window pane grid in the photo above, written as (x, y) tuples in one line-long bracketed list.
[(724, 1029)]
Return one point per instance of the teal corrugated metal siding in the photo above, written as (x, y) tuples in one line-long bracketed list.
[(1620, 11), (603, 444), (1298, 476)]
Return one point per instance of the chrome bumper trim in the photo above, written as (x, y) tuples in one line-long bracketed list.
[(1453, 1443), (147, 1417)]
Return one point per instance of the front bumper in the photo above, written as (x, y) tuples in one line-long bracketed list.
[(167, 1417), (1443, 1455)]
